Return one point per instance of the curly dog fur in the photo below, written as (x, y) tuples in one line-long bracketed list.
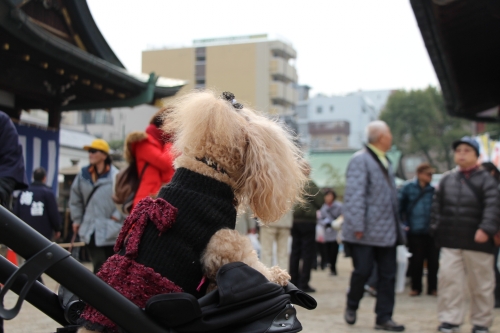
[(254, 155), (260, 161)]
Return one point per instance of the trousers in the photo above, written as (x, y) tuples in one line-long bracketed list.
[(456, 267), (270, 235), (98, 254), (363, 258), (422, 247), (303, 250)]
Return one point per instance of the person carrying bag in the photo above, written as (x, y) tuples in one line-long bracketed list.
[(95, 217)]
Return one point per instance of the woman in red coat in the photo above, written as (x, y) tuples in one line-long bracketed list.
[(152, 153)]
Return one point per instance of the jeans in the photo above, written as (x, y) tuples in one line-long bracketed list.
[(363, 258)]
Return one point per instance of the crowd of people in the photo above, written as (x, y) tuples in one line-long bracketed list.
[(451, 230)]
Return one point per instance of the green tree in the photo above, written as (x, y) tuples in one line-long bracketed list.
[(116, 145), (420, 125), (335, 179)]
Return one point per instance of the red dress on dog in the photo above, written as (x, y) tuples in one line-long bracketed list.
[(161, 243)]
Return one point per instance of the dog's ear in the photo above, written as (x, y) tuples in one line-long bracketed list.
[(273, 177)]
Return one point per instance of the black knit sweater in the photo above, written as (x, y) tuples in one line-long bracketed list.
[(205, 206)]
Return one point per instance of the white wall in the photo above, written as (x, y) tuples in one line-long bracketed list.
[(377, 98), (352, 109), (125, 120), (67, 154)]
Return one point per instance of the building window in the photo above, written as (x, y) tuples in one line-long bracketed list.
[(332, 108), (200, 70), (201, 53), (200, 67), (319, 109)]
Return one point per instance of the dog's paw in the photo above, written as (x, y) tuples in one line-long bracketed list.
[(279, 276)]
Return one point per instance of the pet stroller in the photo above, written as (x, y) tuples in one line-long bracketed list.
[(244, 302)]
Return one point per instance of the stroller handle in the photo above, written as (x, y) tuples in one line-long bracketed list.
[(27, 242)]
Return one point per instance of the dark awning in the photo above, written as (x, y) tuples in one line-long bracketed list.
[(463, 41), (46, 71)]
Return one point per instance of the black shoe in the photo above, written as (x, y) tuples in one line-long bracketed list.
[(333, 273), (480, 329), (350, 316), (497, 303), (391, 326), (308, 289), (448, 328)]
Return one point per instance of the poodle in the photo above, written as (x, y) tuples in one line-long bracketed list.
[(227, 156)]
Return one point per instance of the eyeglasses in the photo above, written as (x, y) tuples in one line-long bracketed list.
[(93, 151)]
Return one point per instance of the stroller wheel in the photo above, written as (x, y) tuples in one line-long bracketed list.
[(73, 311)]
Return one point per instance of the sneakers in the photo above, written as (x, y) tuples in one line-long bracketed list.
[(390, 326), (479, 329), (350, 316), (448, 328)]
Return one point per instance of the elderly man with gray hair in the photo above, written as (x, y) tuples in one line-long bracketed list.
[(372, 229)]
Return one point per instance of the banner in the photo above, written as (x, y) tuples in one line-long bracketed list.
[(489, 150), (40, 149)]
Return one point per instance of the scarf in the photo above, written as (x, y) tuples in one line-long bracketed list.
[(468, 172), (95, 175)]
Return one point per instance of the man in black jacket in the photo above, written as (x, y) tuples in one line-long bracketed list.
[(37, 207), (465, 217)]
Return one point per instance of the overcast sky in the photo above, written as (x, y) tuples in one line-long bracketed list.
[(342, 45)]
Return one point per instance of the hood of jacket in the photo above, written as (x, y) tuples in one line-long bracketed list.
[(130, 141)]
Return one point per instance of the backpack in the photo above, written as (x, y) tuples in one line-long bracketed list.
[(126, 184)]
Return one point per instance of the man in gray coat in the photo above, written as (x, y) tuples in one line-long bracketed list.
[(371, 229)]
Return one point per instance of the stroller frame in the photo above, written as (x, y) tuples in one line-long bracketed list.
[(254, 304)]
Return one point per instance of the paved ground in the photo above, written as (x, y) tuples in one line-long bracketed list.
[(418, 314)]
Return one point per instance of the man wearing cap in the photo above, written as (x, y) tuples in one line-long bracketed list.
[(415, 202), (465, 217), (95, 218)]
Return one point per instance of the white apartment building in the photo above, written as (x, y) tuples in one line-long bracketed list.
[(338, 122)]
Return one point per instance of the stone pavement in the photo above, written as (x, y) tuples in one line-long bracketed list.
[(418, 314)]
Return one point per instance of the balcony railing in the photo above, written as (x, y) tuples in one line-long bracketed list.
[(281, 70), (283, 94), (280, 110), (283, 50)]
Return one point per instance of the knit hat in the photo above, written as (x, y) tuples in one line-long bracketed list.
[(468, 141)]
